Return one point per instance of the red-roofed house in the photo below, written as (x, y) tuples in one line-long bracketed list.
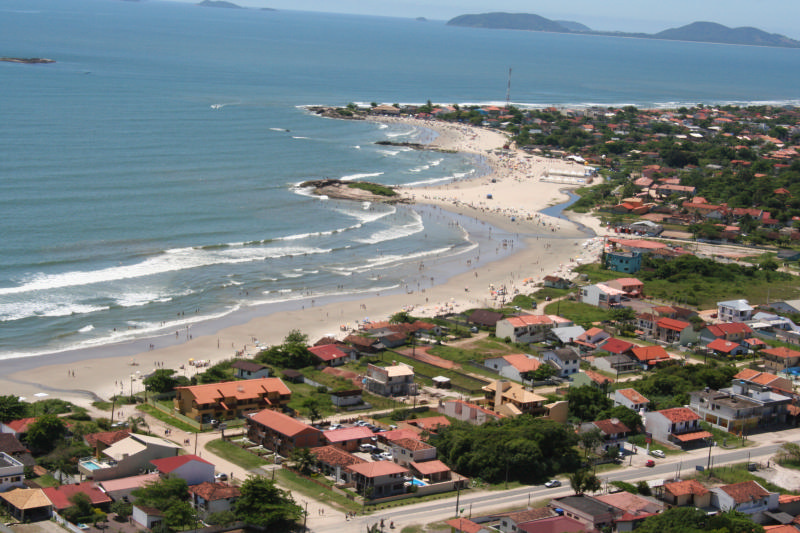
[(632, 287), (379, 479), (649, 356), (405, 451), (102, 440), (123, 487), (348, 439), (617, 346), (331, 355), (231, 399), (334, 461), (18, 428), (591, 338), (667, 425), (60, 496), (525, 328), (729, 331), (613, 431), (776, 383), (723, 347), (431, 423), (191, 468), (431, 471), (690, 492), (281, 433), (513, 366), (747, 497), (463, 525), (511, 522), (213, 497), (670, 330), (777, 359), (631, 398)]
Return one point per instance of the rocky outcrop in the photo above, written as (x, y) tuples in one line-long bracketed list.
[(27, 60)]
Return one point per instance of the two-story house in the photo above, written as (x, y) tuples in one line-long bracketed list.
[(12, 473), (734, 311), (467, 412), (632, 287), (601, 295), (524, 328), (730, 331), (679, 425), (515, 366), (190, 468), (566, 360), (614, 432), (394, 380), (128, 457), (406, 451), (249, 370), (379, 479), (231, 399), (742, 407), (672, 331), (213, 497), (281, 433), (780, 358)]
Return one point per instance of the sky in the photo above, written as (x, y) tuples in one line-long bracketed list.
[(774, 16)]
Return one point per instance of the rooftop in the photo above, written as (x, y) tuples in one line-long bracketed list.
[(346, 434), (170, 464), (281, 423), (377, 469), (240, 390), (522, 362), (679, 414), (428, 468), (633, 395), (684, 488), (411, 444), (334, 456), (745, 491), (215, 491)]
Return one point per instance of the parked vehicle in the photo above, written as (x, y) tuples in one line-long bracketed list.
[(221, 476), (658, 453), (650, 463)]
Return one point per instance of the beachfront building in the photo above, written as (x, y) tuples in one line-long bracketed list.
[(281, 433), (627, 262), (128, 457), (249, 370), (525, 328), (601, 295), (231, 399), (331, 354), (394, 380)]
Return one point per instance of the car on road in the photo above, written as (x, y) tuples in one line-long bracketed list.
[(221, 476), (658, 453), (552, 483), (650, 463)]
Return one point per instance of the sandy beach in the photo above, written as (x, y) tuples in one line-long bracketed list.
[(508, 198)]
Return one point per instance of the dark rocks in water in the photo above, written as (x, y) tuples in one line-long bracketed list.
[(27, 60)]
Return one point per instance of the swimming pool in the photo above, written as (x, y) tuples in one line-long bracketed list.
[(418, 482), (91, 465)]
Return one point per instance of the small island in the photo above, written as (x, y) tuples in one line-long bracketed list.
[(361, 191), (27, 60)]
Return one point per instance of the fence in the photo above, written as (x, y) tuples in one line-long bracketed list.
[(66, 524)]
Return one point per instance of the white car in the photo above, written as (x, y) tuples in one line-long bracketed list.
[(658, 453), (552, 483)]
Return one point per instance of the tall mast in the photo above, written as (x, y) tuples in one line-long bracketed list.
[(508, 90)]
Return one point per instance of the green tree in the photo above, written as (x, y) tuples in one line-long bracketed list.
[(221, 518), (586, 402), (693, 520), (313, 407), (11, 408), (263, 504), (590, 440), (629, 417), (303, 460), (402, 317), (179, 514), (122, 509), (161, 381), (583, 481), (81, 508), (45, 434), (162, 492)]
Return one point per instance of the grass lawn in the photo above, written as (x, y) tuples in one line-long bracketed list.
[(458, 379), (736, 474), (102, 405), (293, 482), (235, 454), (164, 417), (47, 480), (578, 312)]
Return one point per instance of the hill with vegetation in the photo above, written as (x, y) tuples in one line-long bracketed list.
[(706, 32)]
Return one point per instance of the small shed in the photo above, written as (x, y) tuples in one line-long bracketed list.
[(441, 382)]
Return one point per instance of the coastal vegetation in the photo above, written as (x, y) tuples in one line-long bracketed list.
[(374, 188)]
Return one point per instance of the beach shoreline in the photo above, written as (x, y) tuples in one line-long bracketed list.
[(526, 245)]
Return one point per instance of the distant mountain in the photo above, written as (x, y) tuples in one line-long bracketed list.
[(574, 26), (508, 21), (218, 3), (711, 32), (705, 32)]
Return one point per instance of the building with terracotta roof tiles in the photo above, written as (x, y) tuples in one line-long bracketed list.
[(128, 457), (404, 451), (463, 525), (741, 407), (601, 295), (781, 358), (334, 461), (467, 412), (689, 492), (102, 440), (766, 379), (10, 445), (524, 328), (249, 370), (511, 399), (679, 425), (331, 355), (747, 497), (27, 505), (631, 503), (617, 346), (513, 366), (213, 497), (231, 399), (631, 398), (431, 472), (632, 287), (190, 468), (614, 432), (649, 356), (348, 439), (379, 479), (729, 331), (60, 496), (431, 423), (727, 348), (281, 433), (671, 331), (18, 427)]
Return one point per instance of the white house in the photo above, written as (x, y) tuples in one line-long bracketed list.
[(249, 370), (747, 497), (12, 473), (630, 398), (601, 295), (734, 311), (513, 366), (680, 425), (405, 451), (566, 359), (525, 328), (467, 412), (149, 517), (191, 468), (210, 498)]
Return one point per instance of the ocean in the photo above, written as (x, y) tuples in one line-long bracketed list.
[(149, 178)]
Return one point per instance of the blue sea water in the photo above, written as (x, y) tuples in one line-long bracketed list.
[(148, 179)]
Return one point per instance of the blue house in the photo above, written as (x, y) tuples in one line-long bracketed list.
[(628, 262)]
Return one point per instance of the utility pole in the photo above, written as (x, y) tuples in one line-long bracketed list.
[(508, 90), (708, 467), (458, 497)]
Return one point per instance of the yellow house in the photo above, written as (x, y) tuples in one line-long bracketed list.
[(231, 399)]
